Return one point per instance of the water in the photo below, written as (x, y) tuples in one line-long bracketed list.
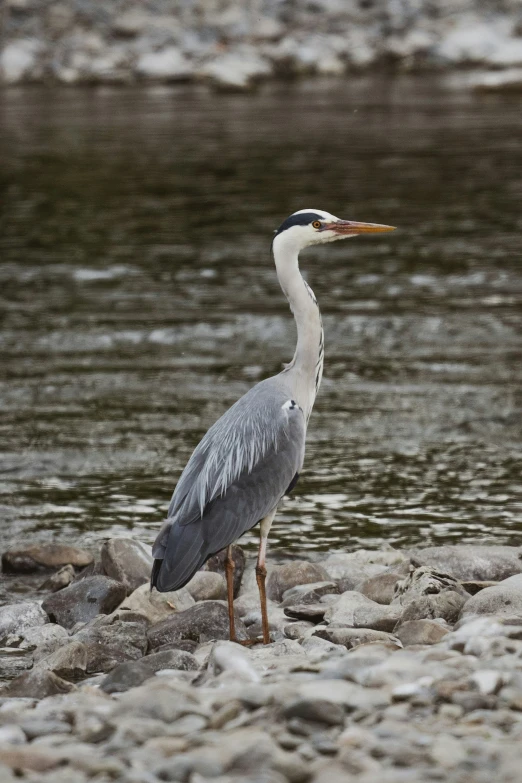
[(139, 300)]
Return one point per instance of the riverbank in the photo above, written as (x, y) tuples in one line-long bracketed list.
[(234, 45), (390, 664)]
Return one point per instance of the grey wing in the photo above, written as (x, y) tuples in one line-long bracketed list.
[(255, 483)]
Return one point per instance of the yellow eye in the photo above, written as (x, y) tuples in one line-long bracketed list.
[(316, 224)]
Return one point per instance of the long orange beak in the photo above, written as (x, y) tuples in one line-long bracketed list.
[(351, 227)]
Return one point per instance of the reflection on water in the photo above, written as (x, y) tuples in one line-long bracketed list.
[(139, 300)]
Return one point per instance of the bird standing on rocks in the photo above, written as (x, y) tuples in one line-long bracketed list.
[(251, 457)]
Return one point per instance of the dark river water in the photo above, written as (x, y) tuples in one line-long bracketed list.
[(139, 300)]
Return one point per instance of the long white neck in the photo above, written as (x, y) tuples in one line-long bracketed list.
[(306, 368)]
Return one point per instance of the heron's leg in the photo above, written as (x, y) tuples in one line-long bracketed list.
[(229, 571), (265, 526)]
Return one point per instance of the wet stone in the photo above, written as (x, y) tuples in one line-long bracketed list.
[(84, 600), (44, 557), (127, 561)]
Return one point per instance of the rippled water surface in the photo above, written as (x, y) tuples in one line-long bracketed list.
[(139, 300)]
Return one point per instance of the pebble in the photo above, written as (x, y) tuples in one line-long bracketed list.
[(436, 697)]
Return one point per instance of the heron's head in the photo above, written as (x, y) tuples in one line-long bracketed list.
[(316, 227)]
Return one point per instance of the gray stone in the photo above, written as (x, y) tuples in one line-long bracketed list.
[(315, 711), (84, 600), (41, 557), (298, 572), (232, 658), (132, 673), (59, 580), (309, 593), (206, 621), (17, 618), (425, 581), (469, 562), (312, 612), (217, 563), (207, 586), (380, 588), (356, 611), (446, 606), (156, 606), (19, 60), (353, 637), (503, 600), (364, 563), (69, 661), (37, 684), (420, 632), (42, 727), (127, 561)]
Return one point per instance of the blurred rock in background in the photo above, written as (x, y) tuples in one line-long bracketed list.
[(232, 44)]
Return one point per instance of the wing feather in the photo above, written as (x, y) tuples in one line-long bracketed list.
[(235, 477)]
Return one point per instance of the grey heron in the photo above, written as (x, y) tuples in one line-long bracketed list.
[(252, 456)]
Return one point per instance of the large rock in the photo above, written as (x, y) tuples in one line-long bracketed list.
[(468, 562), (127, 561), (42, 557), (156, 606), (298, 572), (354, 610), (84, 600), (36, 684), (207, 586), (112, 640), (425, 581), (217, 563), (504, 599), (204, 622), (132, 673), (17, 618)]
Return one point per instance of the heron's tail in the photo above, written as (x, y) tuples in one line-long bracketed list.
[(184, 554)]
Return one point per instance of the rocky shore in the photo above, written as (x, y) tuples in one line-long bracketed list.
[(232, 45), (385, 665)]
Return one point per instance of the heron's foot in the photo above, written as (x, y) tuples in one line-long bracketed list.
[(251, 642)]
